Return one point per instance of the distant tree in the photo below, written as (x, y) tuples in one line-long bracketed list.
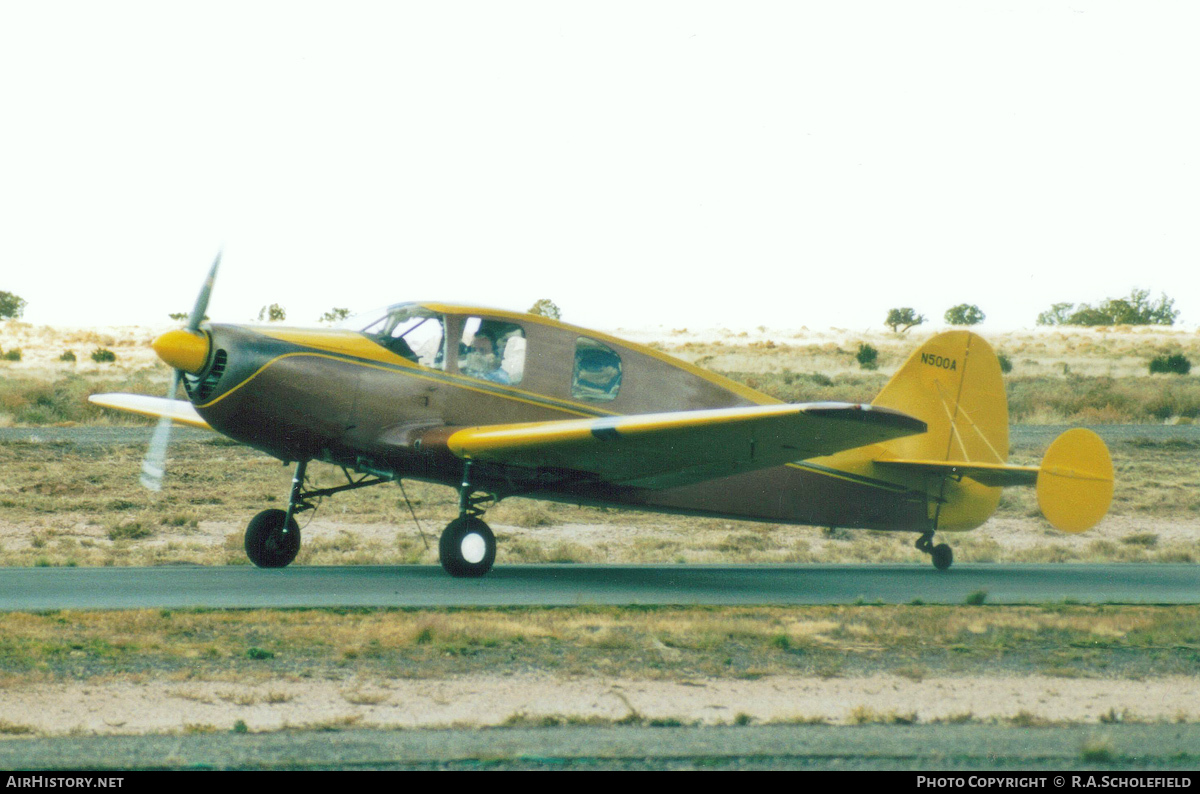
[(1176, 363), (867, 356), (334, 316), (964, 314), (102, 355), (901, 320), (1136, 309), (68, 356), (11, 306), (1058, 314), (272, 314), (180, 317), (546, 308), (12, 354)]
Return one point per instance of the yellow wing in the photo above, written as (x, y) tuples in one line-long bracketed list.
[(670, 449), (179, 411)]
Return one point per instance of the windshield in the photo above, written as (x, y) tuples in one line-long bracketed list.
[(410, 331)]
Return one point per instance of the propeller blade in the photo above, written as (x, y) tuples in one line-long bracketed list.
[(155, 462), (197, 315)]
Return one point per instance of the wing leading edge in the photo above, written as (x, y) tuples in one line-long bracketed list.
[(179, 411), (679, 448)]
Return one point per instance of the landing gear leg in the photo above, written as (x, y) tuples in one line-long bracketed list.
[(467, 547), (943, 555), (273, 536)]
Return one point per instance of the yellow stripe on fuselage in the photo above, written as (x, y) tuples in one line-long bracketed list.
[(348, 347)]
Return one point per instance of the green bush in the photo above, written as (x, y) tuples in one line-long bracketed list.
[(12, 355), (103, 355), (1005, 363), (1176, 363), (68, 356), (867, 356)]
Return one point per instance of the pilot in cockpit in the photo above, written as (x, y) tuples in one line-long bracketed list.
[(482, 359)]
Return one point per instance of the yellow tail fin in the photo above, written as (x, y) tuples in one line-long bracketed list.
[(954, 384)]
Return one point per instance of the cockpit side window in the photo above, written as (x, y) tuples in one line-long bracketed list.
[(412, 332), (492, 350), (597, 371)]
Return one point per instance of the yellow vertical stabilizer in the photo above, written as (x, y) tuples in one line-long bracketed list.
[(953, 383)]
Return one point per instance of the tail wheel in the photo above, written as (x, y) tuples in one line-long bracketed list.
[(467, 547), (943, 556), (267, 545)]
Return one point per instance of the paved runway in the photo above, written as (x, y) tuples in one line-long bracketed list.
[(568, 585)]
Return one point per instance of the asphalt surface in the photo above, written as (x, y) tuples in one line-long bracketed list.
[(24, 589), (921, 748)]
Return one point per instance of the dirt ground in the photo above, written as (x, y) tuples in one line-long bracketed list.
[(98, 708)]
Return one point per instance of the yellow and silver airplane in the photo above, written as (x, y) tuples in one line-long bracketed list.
[(498, 404)]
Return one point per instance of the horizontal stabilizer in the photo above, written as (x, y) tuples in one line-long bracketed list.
[(179, 411), (679, 448), (993, 475)]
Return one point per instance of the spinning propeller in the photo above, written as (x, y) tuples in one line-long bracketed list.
[(186, 350)]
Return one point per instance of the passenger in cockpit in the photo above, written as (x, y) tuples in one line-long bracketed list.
[(483, 361)]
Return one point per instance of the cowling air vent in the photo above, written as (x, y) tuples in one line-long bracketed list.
[(201, 388)]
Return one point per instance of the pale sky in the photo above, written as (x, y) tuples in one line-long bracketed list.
[(685, 164)]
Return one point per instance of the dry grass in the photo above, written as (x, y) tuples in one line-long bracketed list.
[(668, 643), (60, 506)]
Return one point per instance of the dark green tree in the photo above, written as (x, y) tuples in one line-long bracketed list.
[(1136, 309), (964, 314), (546, 308), (900, 320), (11, 306), (334, 315), (272, 314)]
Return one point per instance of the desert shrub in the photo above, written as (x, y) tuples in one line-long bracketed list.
[(867, 356), (34, 401), (13, 354), (964, 314), (1005, 363), (102, 355), (68, 356), (1101, 399), (813, 387), (1176, 363)]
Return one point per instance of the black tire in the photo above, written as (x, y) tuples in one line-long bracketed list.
[(467, 548), (943, 556), (267, 545)]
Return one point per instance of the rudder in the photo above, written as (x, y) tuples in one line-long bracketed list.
[(954, 384)]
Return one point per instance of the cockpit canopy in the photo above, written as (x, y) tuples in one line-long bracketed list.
[(486, 348)]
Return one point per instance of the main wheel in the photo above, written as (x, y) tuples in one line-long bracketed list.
[(467, 547), (943, 556), (267, 545)]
